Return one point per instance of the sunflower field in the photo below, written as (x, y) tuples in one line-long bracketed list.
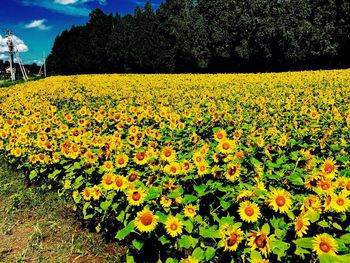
[(193, 168)]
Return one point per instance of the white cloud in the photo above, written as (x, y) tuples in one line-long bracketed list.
[(66, 2), (19, 43), (3, 57), (39, 24)]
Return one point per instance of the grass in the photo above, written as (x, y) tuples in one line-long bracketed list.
[(38, 226), (8, 83)]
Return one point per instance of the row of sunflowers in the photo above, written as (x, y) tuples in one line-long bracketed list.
[(193, 168)]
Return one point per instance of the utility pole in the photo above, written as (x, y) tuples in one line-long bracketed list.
[(44, 64), (11, 52)]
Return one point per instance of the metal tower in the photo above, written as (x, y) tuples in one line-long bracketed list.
[(13, 51)]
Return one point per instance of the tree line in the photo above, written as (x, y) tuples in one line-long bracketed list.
[(209, 36)]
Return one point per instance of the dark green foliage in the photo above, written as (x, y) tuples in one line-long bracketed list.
[(209, 36)]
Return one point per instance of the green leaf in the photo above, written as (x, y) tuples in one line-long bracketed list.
[(106, 204), (209, 253), (162, 217), (210, 232), (280, 248), (345, 238), (171, 260), (313, 215), (187, 241), (337, 226), (255, 256), (323, 223), (125, 231), (33, 174), (225, 205), (190, 198), (266, 228), (130, 259), (153, 193), (198, 253), (188, 226), (200, 189), (137, 244), (121, 216), (326, 258), (54, 174), (164, 240), (304, 242)]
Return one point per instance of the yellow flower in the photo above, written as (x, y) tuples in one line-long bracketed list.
[(107, 166), (340, 203), (96, 192), (324, 244), (259, 240), (136, 197), (190, 211), (189, 259), (87, 193), (165, 201), (108, 181), (220, 135), (231, 237), (173, 226), (121, 160), (120, 183), (233, 171), (168, 154), (226, 146), (146, 221), (279, 200), (301, 225), (328, 168), (249, 211)]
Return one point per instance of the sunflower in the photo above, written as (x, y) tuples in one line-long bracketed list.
[(146, 221), (249, 211), (121, 160), (329, 169), (173, 226), (225, 146), (279, 200), (220, 135), (190, 211), (140, 158), (107, 166), (311, 203), (283, 140), (324, 244), (231, 237), (168, 154), (87, 193), (340, 203), (325, 185), (260, 240), (172, 168), (108, 181), (203, 169), (301, 225), (165, 201), (96, 192), (189, 259), (260, 142), (136, 197), (233, 171)]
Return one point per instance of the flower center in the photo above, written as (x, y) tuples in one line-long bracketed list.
[(280, 201), (226, 146), (220, 136), (261, 241), (118, 182), (108, 180), (173, 226), (121, 161), (249, 211), (136, 196), (146, 219), (340, 201), (167, 153), (325, 247), (348, 186), (325, 186), (299, 225), (328, 168), (232, 240)]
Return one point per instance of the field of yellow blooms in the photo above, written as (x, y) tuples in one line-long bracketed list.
[(193, 168)]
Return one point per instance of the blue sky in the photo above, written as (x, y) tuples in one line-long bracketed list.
[(36, 23)]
